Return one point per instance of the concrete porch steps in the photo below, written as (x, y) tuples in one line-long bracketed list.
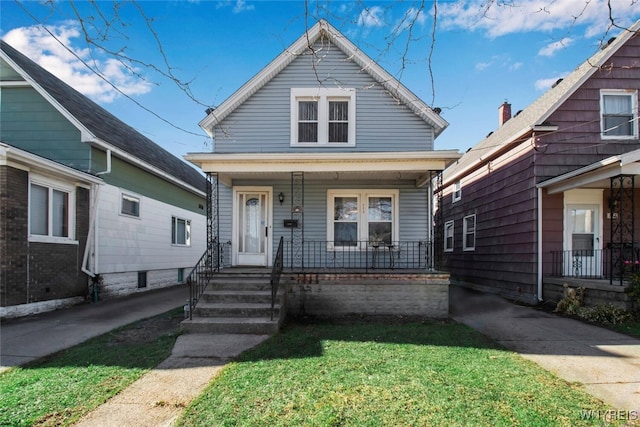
[(237, 301)]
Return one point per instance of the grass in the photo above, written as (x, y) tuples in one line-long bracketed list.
[(631, 328), (61, 388), (387, 374)]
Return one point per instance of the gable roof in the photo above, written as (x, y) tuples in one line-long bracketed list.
[(99, 126), (300, 46), (538, 111)]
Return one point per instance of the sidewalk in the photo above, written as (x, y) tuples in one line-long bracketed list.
[(606, 362), (28, 338)]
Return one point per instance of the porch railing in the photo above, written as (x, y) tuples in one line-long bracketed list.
[(608, 263), (276, 271), (324, 255), (217, 256)]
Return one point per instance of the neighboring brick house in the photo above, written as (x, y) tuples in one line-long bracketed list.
[(548, 197), (85, 198)]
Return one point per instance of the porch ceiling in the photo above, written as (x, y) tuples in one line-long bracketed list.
[(394, 166)]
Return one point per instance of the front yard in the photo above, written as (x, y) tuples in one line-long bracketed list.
[(348, 373)]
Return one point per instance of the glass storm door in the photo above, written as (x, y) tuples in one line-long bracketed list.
[(253, 228), (583, 256)]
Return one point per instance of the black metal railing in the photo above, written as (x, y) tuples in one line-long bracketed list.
[(324, 255), (608, 263), (217, 256), (276, 271)]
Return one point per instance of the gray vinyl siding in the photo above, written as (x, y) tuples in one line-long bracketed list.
[(29, 122), (262, 123), (413, 209)]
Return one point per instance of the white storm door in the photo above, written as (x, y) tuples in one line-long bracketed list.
[(252, 227), (582, 241)]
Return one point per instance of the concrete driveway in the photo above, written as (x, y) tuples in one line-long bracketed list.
[(606, 362)]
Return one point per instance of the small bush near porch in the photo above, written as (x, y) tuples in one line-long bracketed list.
[(375, 374)]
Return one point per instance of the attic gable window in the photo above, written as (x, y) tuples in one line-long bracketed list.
[(323, 117), (619, 114)]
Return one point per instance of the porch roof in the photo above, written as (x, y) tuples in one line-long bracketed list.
[(596, 175), (378, 166)]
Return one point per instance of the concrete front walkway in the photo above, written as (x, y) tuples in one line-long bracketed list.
[(606, 362)]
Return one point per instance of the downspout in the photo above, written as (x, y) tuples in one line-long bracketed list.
[(92, 235), (539, 227)]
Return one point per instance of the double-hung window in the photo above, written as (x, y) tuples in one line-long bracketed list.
[(469, 232), (448, 236), (180, 231), (457, 192), (51, 211), (323, 117), (357, 218), (619, 114)]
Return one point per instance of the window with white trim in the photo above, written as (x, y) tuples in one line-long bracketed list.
[(180, 231), (323, 117), (469, 232), (51, 211), (619, 114), (457, 191), (356, 218), (130, 205), (448, 236)]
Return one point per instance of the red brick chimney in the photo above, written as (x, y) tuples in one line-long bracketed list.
[(504, 113)]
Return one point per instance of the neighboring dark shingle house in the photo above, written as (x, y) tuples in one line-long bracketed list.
[(105, 125)]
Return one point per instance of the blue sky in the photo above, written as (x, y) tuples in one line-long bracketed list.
[(481, 57)]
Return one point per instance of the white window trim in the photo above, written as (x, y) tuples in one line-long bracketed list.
[(323, 96), (54, 184), (363, 222), (634, 107), (174, 239), (453, 236), (465, 231), (133, 196), (456, 195)]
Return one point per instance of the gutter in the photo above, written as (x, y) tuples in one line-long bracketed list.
[(539, 260), (92, 234)]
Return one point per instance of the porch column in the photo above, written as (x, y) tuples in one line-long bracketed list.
[(622, 224), (437, 244), (297, 214), (213, 220)]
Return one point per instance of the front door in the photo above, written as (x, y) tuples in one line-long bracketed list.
[(252, 228), (583, 247)]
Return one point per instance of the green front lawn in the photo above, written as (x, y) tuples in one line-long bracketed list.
[(59, 389), (387, 375)]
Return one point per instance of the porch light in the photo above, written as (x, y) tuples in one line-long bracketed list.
[(281, 198)]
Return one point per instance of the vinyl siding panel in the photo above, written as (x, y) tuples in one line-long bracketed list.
[(131, 178), (262, 123), (144, 243), (29, 122)]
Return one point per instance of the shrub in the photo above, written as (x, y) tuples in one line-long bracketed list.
[(605, 313)]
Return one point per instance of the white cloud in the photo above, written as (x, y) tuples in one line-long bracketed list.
[(482, 65), (48, 52), (498, 19), (544, 84), (552, 48), (371, 17), (515, 66), (241, 6)]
